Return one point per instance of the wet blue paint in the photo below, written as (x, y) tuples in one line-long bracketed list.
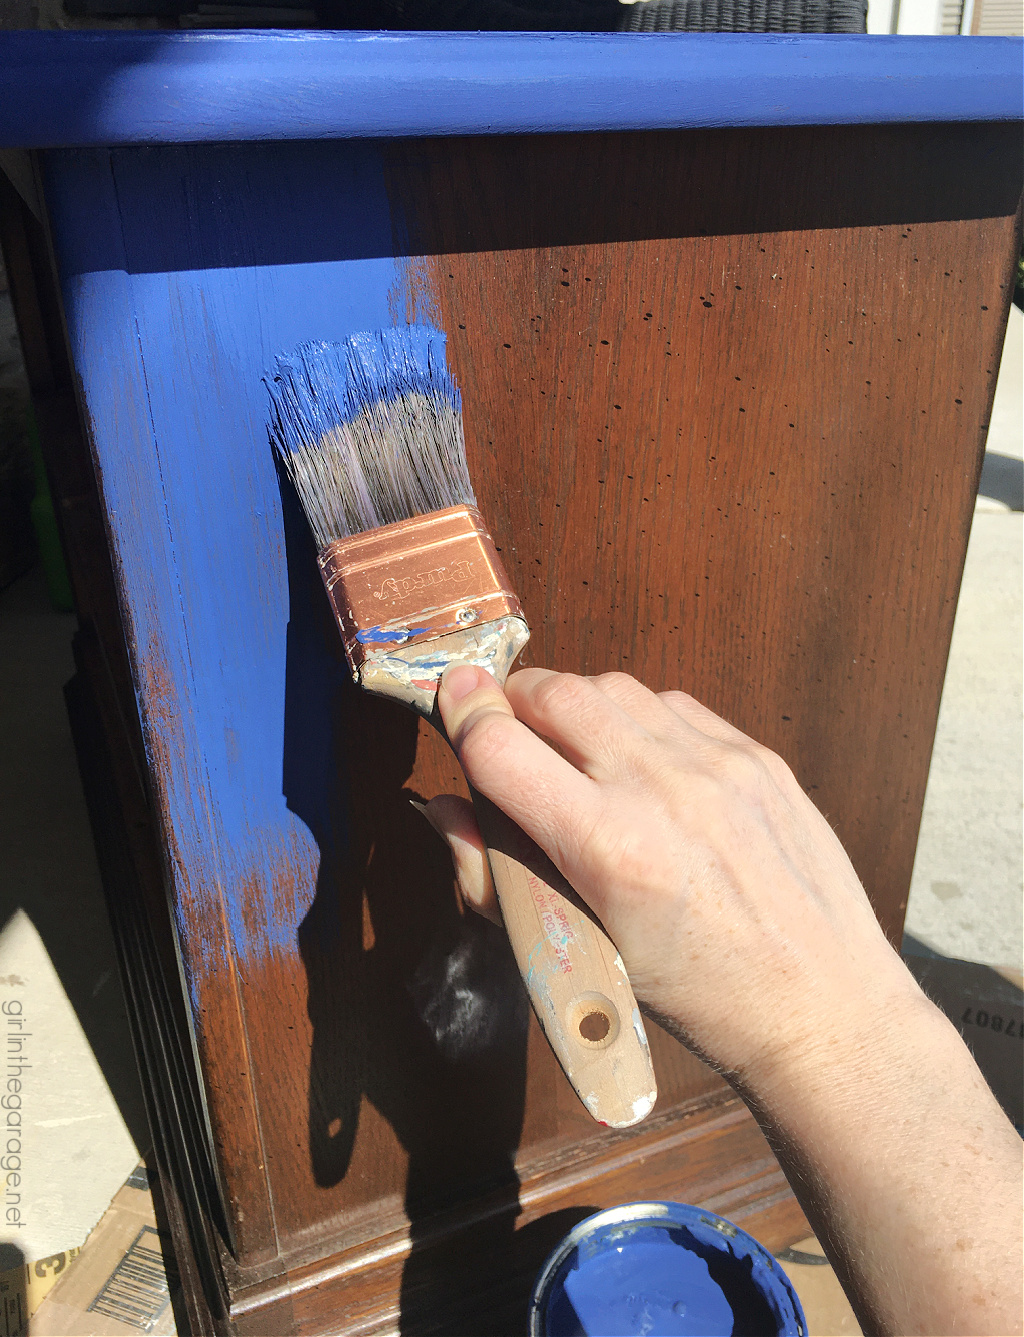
[(379, 636), (319, 389), (321, 385), (653, 1285), (667, 1269), (427, 666), (105, 88), (187, 270)]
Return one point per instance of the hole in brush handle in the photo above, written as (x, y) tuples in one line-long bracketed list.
[(594, 1026), (593, 1020)]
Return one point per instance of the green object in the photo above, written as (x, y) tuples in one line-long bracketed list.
[(44, 522)]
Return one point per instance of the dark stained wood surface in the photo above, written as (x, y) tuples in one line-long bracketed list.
[(746, 378), (725, 398), (489, 1253)]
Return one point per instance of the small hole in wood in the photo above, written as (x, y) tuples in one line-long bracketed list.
[(593, 1020), (595, 1026)]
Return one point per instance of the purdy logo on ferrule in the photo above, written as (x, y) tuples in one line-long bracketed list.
[(415, 580), (391, 589)]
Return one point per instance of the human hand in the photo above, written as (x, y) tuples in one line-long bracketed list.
[(739, 917), (745, 929)]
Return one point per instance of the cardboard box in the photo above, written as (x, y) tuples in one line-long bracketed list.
[(119, 1282), (23, 1289)]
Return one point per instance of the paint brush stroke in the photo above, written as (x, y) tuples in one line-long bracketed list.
[(190, 484)]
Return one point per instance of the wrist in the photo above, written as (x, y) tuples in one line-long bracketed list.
[(843, 1050)]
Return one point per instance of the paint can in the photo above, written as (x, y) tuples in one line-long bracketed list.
[(664, 1269)]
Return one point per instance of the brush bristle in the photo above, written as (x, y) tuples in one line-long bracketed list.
[(370, 430)]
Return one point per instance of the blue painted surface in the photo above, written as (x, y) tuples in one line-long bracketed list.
[(187, 281), (380, 636), (665, 1268), (93, 88)]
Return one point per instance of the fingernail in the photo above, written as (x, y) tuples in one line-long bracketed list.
[(422, 808), (458, 680)]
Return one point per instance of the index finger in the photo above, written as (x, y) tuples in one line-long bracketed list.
[(554, 803)]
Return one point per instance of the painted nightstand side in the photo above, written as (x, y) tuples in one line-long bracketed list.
[(726, 385)]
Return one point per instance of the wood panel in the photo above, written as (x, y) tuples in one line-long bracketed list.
[(469, 1270), (725, 400), (745, 379), (111, 758)]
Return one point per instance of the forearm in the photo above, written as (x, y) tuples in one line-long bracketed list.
[(906, 1167)]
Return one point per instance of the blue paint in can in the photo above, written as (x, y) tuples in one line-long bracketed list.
[(665, 1269), (652, 1283)]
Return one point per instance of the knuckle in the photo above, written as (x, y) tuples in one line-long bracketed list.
[(778, 769), (743, 767), (752, 766), (679, 702), (484, 737), (616, 683), (610, 845), (559, 694), (675, 697)]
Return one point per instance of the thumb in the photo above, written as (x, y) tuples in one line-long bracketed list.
[(465, 696), (455, 822)]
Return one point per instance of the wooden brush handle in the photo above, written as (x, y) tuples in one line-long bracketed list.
[(573, 974)]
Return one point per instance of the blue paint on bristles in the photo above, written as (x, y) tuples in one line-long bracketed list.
[(321, 385), (370, 429)]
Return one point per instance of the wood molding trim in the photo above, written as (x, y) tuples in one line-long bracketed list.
[(710, 1150)]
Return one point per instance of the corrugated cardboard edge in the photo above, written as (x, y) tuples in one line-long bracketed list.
[(23, 1289), (101, 1284)]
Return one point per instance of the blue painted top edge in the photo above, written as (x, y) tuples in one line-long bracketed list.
[(65, 89)]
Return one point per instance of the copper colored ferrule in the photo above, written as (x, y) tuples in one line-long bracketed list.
[(414, 581)]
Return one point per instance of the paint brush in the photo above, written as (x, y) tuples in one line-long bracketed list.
[(370, 433)]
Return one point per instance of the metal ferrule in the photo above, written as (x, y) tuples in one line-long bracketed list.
[(414, 581)]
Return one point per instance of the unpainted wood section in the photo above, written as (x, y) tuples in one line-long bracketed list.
[(725, 399), (711, 1155)]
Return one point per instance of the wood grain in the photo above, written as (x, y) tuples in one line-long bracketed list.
[(709, 1153), (746, 391), (726, 396)]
